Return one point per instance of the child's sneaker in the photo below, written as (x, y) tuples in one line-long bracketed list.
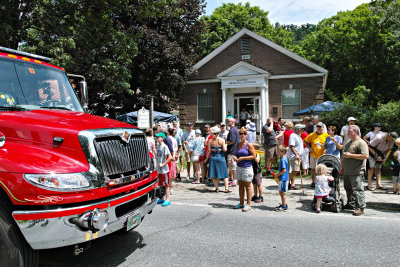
[(166, 203), (160, 201), (259, 200), (318, 210), (254, 198), (281, 208)]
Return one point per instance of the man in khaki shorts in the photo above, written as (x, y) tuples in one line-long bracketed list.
[(295, 152)]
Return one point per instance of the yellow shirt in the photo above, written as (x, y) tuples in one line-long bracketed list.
[(317, 142)]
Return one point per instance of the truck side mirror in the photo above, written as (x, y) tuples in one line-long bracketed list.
[(84, 95)]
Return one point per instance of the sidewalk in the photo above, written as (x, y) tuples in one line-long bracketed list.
[(379, 203)]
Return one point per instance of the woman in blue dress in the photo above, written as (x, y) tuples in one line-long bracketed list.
[(217, 169)]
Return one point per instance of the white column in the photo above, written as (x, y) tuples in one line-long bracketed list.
[(223, 104), (266, 99)]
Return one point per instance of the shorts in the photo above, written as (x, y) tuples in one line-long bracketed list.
[(321, 196), (373, 164), (163, 179), (257, 179), (188, 156), (305, 159), (172, 169), (294, 165), (396, 179), (283, 186), (270, 151), (313, 162), (231, 163), (244, 174), (195, 156)]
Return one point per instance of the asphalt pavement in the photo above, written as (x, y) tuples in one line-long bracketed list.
[(201, 228)]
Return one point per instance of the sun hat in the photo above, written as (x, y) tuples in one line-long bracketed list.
[(351, 119), (393, 135), (197, 131), (299, 126), (215, 129)]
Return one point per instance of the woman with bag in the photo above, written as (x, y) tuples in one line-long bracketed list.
[(215, 153), (245, 152)]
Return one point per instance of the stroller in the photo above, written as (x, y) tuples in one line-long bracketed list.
[(334, 201)]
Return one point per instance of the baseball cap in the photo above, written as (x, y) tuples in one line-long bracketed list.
[(197, 131), (160, 134), (320, 124), (222, 124), (299, 126), (351, 119), (215, 129), (189, 124), (207, 126), (393, 135)]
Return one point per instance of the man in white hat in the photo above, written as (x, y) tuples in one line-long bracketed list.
[(251, 131), (343, 132)]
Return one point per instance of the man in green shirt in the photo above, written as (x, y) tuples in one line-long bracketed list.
[(353, 167)]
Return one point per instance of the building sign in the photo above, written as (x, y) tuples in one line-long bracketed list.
[(243, 82), (143, 119)]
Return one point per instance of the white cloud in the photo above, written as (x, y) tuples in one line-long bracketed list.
[(297, 12)]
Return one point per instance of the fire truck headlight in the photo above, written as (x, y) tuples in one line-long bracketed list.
[(60, 181)]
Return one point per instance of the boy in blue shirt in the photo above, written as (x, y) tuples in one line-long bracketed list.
[(283, 177)]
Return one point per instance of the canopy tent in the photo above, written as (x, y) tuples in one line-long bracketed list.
[(131, 117), (321, 107)]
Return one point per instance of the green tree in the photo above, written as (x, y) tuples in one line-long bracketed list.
[(357, 49)]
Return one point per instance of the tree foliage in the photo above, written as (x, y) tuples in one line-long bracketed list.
[(358, 49), (126, 49)]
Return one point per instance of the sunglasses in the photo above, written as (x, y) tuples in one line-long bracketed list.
[(242, 134)]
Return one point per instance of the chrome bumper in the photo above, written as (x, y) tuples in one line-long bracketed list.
[(58, 231)]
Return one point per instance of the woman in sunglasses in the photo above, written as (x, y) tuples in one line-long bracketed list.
[(245, 152)]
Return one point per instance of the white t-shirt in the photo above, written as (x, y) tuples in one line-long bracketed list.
[(224, 135), (174, 146), (296, 141), (150, 144)]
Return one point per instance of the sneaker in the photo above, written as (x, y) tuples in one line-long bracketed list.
[(281, 208), (160, 201), (348, 207), (358, 212), (238, 206), (233, 183), (259, 200), (254, 198), (312, 185), (318, 210), (166, 203)]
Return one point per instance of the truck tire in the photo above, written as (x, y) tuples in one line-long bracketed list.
[(14, 250)]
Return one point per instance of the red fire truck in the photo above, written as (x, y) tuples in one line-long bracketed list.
[(66, 177)]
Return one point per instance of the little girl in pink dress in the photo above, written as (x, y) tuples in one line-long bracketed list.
[(322, 188)]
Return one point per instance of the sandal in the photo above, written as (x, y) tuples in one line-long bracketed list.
[(238, 206), (246, 208), (294, 188), (228, 191), (382, 188), (195, 182), (370, 188), (216, 190)]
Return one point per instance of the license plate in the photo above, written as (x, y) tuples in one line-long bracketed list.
[(133, 221)]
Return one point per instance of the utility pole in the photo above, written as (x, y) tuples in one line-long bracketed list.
[(151, 111)]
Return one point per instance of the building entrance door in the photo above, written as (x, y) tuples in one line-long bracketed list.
[(250, 105)]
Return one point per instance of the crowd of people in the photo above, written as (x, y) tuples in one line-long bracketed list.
[(217, 153)]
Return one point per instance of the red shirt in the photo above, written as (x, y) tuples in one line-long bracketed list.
[(303, 136), (286, 135)]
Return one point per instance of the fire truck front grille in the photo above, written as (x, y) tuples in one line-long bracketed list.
[(117, 157)]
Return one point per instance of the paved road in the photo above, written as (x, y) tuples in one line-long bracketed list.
[(200, 228)]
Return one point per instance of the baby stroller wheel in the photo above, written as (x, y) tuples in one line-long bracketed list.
[(337, 206)]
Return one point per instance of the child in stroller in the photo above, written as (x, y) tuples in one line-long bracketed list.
[(334, 200)]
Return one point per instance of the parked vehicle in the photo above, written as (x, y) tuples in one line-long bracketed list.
[(66, 177)]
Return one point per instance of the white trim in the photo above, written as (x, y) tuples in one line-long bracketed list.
[(264, 41), (245, 65), (243, 76), (203, 81), (294, 76)]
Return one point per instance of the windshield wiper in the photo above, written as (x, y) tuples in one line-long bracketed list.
[(63, 108), (13, 108)]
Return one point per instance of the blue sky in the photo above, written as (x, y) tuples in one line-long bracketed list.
[(294, 11)]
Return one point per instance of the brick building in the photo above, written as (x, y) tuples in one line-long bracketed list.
[(251, 72)]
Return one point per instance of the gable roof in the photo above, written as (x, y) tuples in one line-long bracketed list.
[(264, 41), (242, 69)]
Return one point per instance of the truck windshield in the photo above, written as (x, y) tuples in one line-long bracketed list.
[(26, 86)]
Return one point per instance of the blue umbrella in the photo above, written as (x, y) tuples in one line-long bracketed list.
[(321, 107), (131, 117)]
